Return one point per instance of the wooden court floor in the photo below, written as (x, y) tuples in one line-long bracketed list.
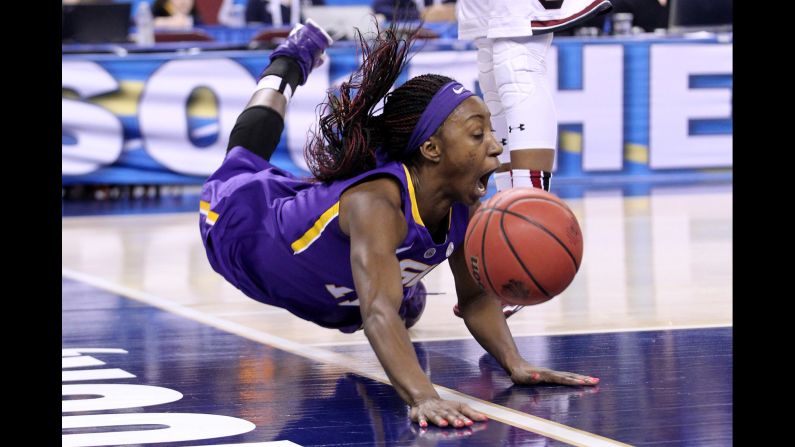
[(654, 293)]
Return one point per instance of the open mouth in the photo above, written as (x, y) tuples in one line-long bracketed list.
[(483, 182)]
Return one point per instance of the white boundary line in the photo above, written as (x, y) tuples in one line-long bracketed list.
[(502, 414), (98, 218), (543, 334)]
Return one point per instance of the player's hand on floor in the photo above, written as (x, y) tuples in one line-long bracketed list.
[(444, 413), (527, 374)]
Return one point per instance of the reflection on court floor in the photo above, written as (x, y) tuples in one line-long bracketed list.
[(194, 362)]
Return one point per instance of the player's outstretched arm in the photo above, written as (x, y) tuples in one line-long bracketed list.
[(485, 320), (370, 213)]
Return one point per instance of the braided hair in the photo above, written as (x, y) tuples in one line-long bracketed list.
[(349, 133)]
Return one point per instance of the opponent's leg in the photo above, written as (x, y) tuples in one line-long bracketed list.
[(491, 97), (520, 75)]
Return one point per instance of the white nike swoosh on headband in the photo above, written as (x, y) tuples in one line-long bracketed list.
[(458, 90)]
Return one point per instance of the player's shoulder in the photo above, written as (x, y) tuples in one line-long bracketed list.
[(380, 190), (373, 206)]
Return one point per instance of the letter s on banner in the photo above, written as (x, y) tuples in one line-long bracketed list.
[(98, 132), (163, 115)]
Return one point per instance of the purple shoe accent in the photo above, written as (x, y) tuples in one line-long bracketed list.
[(412, 308), (305, 44)]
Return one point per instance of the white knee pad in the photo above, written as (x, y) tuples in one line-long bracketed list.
[(486, 75), (491, 95), (520, 76)]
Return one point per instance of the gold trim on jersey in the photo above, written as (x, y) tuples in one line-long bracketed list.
[(314, 233), (415, 211), (204, 210)]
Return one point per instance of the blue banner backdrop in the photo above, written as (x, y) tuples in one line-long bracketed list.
[(626, 108)]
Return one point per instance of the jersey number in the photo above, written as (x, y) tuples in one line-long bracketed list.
[(411, 272)]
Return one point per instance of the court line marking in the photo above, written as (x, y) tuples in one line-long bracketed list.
[(542, 334), (243, 313), (256, 444), (99, 218), (496, 412)]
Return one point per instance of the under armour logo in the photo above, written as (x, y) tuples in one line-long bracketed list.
[(458, 90), (521, 127), (504, 141)]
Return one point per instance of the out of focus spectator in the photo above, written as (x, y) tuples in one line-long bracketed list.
[(429, 10), (646, 14), (438, 11), (176, 14), (262, 11), (232, 13)]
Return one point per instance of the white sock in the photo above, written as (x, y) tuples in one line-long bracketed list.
[(526, 178), (274, 82), (521, 178)]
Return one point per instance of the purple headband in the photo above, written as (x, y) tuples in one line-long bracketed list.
[(442, 104)]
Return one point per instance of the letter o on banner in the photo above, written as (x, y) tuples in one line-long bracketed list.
[(163, 111)]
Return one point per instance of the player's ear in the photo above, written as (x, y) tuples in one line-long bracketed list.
[(430, 149)]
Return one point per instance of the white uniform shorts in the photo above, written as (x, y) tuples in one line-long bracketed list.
[(516, 18)]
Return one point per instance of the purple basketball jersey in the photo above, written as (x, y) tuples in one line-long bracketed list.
[(277, 238)]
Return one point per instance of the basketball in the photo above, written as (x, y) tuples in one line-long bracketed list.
[(523, 245)]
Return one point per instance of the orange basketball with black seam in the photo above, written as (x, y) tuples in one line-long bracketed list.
[(523, 245)]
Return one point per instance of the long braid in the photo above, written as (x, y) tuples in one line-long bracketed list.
[(349, 132)]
